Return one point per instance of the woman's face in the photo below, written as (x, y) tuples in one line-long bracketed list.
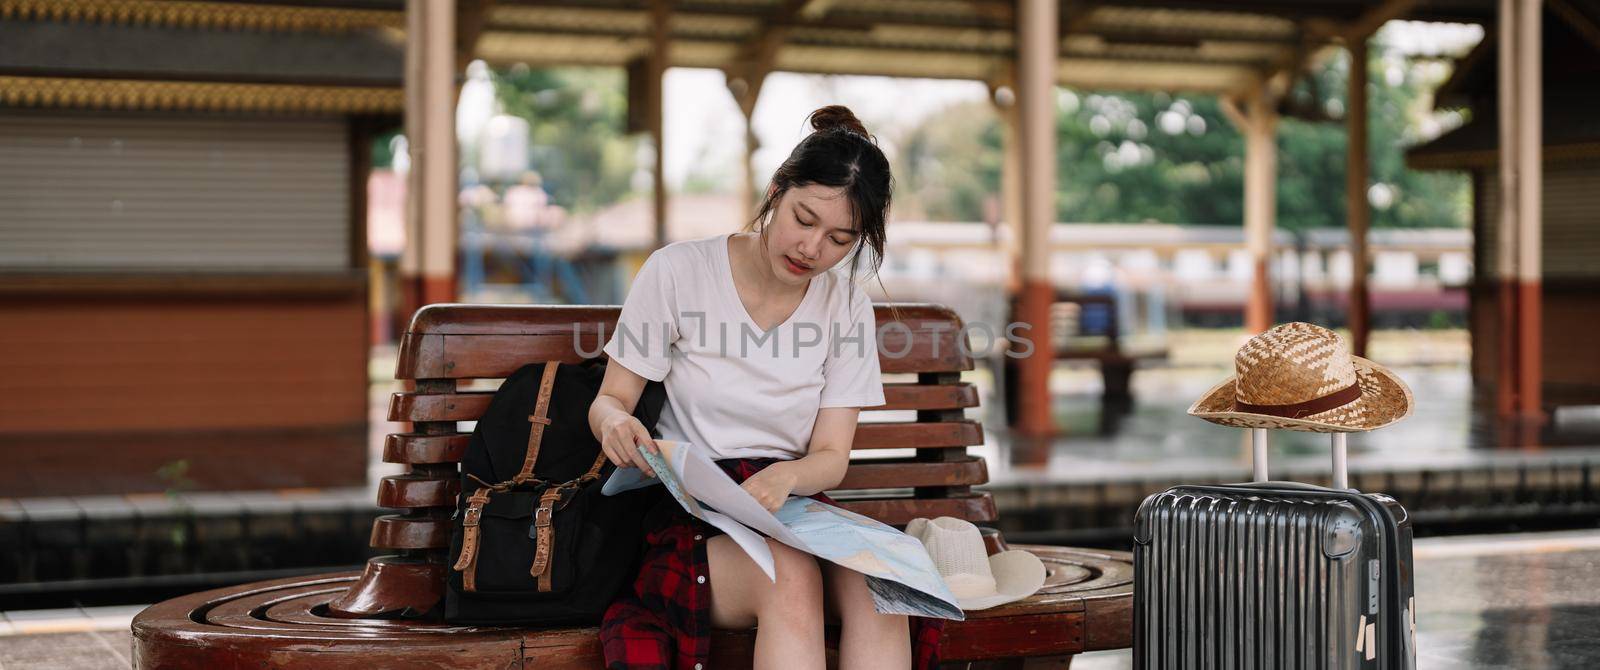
[(811, 231)]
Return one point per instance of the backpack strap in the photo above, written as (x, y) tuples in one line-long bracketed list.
[(594, 470), (539, 421), (553, 498), (467, 562), (545, 535)]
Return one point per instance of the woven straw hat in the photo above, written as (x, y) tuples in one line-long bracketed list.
[(977, 580), (1298, 376)]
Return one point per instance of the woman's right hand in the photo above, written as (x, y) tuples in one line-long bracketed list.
[(621, 438)]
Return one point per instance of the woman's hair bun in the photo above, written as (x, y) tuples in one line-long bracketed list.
[(838, 116)]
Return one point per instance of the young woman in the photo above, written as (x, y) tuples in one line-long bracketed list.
[(768, 354)]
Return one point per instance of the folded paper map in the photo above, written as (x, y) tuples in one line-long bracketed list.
[(897, 567)]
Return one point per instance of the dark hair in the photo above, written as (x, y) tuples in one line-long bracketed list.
[(839, 152)]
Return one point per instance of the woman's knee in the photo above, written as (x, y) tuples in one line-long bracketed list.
[(850, 599), (798, 590)]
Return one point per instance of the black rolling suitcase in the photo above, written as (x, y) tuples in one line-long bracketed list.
[(1272, 575)]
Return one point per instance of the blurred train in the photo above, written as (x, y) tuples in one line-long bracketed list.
[(1172, 275)]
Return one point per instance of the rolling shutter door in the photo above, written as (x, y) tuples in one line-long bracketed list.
[(134, 192), (1571, 238)]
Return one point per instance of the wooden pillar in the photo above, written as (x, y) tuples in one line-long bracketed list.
[(746, 89), (429, 260), (1259, 123), (1003, 95), (410, 262), (659, 42), (1357, 212), (1011, 192), (747, 194), (1038, 31), (1505, 251), (1358, 170), (1530, 217), (1519, 251), (754, 62)]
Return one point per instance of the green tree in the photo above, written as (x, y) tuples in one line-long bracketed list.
[(1311, 186), (1136, 156), (383, 150), (947, 168), (1133, 157), (576, 140)]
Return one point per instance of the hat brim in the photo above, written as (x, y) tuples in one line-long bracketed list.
[(1384, 400), (1017, 575)]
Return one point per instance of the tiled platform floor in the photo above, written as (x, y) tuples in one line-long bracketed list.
[(1512, 602), (1502, 602)]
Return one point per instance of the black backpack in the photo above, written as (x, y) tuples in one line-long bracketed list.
[(534, 543)]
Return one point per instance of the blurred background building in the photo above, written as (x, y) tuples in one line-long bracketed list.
[(183, 188)]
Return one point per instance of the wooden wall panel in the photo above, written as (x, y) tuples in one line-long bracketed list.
[(141, 365), (249, 392), (1571, 363)]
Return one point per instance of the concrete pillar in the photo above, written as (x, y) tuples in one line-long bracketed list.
[(1357, 212), (1039, 34), (1260, 206), (428, 263)]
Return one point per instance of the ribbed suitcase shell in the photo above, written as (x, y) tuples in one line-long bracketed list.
[(1272, 575)]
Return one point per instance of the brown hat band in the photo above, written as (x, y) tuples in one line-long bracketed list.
[(1339, 398)]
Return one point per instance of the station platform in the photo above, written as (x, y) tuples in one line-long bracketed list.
[(1079, 488), (1470, 614)]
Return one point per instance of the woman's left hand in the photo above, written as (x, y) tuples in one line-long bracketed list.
[(771, 486)]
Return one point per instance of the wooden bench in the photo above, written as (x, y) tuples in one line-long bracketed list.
[(1104, 347), (388, 613)]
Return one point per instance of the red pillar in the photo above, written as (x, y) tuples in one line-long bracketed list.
[(1035, 417)]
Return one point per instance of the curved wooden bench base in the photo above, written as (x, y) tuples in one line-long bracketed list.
[(391, 584), (1087, 604)]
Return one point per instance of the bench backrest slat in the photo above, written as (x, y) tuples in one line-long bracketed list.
[(469, 405), (493, 344)]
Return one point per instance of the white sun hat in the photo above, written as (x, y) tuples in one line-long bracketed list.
[(977, 580)]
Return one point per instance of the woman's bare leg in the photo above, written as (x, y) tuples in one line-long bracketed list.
[(867, 639), (787, 614)]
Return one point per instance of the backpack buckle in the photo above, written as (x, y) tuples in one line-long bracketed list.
[(475, 508), (546, 510)]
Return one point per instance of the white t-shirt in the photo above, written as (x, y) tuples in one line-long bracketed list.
[(731, 389)]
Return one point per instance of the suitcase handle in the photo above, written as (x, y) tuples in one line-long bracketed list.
[(1281, 485), (1258, 457)]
